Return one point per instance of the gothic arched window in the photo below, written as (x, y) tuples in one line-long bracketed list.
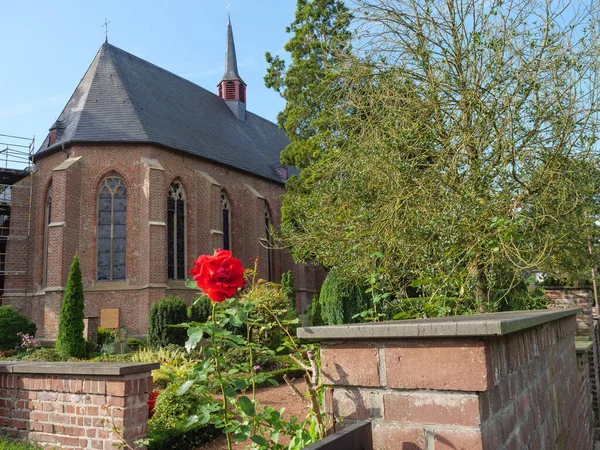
[(47, 220), (269, 240), (112, 214), (226, 221), (176, 232)]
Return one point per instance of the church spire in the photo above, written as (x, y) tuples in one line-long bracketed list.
[(231, 69), (232, 88)]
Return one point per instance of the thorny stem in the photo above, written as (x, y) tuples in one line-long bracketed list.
[(311, 376), (218, 370)]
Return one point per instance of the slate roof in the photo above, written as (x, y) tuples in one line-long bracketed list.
[(124, 99)]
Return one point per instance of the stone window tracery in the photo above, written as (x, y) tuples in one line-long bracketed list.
[(47, 221), (226, 221), (176, 232), (112, 233)]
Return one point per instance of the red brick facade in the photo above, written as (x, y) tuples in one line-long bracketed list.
[(74, 411), (147, 172), (524, 390)]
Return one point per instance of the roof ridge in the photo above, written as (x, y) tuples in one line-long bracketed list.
[(158, 67)]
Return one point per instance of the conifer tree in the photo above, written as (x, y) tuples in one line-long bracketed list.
[(70, 340)]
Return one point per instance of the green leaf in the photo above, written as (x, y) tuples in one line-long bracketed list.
[(247, 406), (230, 392), (259, 440), (185, 387), (195, 335), (240, 437), (273, 381), (240, 383), (191, 284), (191, 421)]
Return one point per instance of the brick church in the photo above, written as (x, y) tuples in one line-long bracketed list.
[(142, 172)]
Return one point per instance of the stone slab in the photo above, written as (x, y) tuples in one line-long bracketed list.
[(75, 368), (583, 345), (493, 324)]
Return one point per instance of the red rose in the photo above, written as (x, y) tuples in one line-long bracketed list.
[(219, 276)]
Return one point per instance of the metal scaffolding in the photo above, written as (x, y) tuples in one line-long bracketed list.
[(16, 191)]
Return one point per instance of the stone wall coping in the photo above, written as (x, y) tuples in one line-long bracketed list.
[(492, 324), (76, 368)]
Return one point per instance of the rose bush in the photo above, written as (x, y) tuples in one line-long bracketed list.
[(219, 276)]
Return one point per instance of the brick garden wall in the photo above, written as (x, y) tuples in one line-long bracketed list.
[(522, 390), (147, 172), (66, 410), (587, 329)]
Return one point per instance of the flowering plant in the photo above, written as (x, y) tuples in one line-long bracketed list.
[(238, 415), (28, 342), (152, 402)]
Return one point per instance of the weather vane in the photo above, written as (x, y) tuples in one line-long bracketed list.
[(106, 22)]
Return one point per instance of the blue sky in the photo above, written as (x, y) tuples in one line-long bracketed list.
[(46, 47)]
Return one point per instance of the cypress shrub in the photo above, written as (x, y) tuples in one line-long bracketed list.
[(315, 311), (11, 323), (201, 309), (287, 283), (169, 311), (340, 299), (70, 340)]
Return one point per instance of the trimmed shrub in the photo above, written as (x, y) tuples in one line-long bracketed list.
[(70, 339), (11, 323), (169, 311), (200, 310), (178, 437), (171, 408), (340, 299)]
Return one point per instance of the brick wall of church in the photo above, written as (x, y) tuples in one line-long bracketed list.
[(147, 172)]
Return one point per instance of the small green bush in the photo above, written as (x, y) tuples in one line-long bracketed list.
[(105, 336), (9, 444), (11, 323), (70, 339), (201, 309), (340, 300), (172, 408), (178, 437), (169, 311), (269, 299), (287, 284), (135, 344), (45, 354)]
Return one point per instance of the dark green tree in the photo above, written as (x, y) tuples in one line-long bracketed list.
[(320, 32), (70, 339)]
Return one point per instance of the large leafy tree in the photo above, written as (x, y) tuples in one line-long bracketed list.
[(465, 147)]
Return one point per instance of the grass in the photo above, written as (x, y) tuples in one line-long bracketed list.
[(10, 444)]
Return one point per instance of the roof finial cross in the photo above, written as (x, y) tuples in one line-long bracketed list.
[(106, 22)]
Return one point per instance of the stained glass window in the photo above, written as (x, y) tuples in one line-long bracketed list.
[(176, 232), (112, 233), (47, 220), (226, 221)]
